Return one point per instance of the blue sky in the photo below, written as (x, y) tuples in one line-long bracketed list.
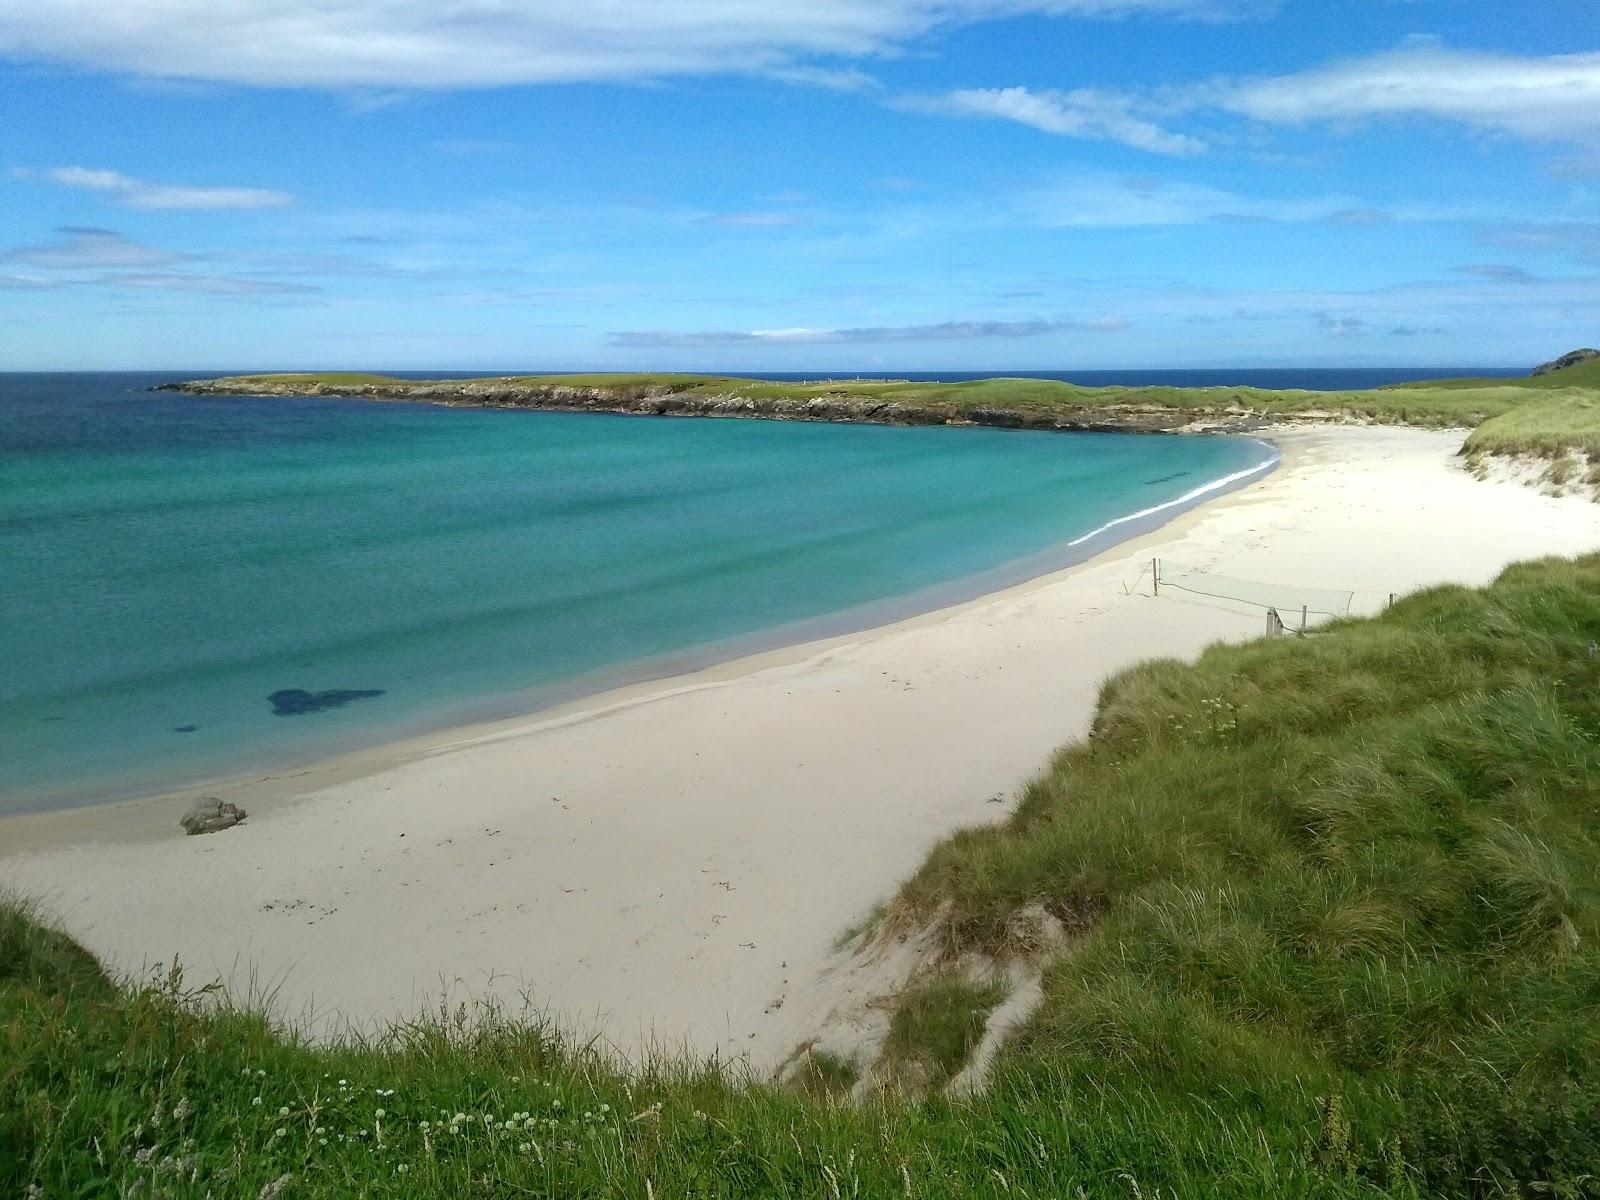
[(840, 184)]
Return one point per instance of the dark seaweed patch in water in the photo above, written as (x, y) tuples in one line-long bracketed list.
[(1167, 478), (184, 728), (292, 702)]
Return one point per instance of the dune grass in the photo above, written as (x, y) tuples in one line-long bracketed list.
[(1334, 906), (1559, 422), (936, 1027)]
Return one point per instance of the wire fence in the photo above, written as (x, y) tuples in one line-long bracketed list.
[(1288, 608), (1319, 602)]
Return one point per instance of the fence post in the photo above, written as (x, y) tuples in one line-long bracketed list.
[(1155, 577), (1304, 613)]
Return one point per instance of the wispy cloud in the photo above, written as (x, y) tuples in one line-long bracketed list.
[(832, 79), (944, 331), (1571, 239), (214, 285), (1341, 326), (1106, 202), (1553, 98), (86, 257), (753, 220), (25, 283), (86, 248), (1082, 113), (488, 43), (471, 147), (1498, 272), (147, 196)]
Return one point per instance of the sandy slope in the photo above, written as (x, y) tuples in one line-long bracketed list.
[(671, 862)]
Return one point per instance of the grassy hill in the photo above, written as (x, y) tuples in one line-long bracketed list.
[(1334, 915)]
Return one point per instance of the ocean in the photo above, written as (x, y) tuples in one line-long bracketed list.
[(198, 586)]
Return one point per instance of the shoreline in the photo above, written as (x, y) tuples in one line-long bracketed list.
[(527, 704), (670, 868)]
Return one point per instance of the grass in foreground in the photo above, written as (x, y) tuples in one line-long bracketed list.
[(1336, 904)]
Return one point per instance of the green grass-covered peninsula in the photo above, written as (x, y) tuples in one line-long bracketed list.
[(1552, 415), (1333, 930)]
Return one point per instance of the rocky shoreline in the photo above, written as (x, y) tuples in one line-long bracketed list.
[(823, 405)]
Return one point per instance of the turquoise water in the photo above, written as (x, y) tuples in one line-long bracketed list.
[(171, 562)]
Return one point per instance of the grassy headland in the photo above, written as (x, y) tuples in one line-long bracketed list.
[(1332, 908), (1553, 417), (985, 401)]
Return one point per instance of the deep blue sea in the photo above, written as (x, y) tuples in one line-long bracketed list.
[(170, 564)]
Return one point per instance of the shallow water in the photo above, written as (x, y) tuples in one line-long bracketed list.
[(201, 585)]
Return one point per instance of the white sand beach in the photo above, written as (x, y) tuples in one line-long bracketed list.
[(670, 865)]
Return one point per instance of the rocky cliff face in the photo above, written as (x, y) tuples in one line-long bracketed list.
[(1570, 359), (663, 401)]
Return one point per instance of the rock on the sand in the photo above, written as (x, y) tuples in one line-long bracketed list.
[(210, 815)]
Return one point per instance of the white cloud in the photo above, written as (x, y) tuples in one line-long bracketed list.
[(1555, 98), (140, 194), (943, 331), (1082, 113), (488, 43)]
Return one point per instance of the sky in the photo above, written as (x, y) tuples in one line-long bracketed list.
[(827, 185)]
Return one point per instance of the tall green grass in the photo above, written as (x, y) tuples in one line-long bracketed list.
[(1555, 424), (1333, 903)]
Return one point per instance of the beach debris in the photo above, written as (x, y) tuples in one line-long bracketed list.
[(209, 815), (292, 702)]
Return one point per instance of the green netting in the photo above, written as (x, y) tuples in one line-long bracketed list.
[(1288, 600)]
